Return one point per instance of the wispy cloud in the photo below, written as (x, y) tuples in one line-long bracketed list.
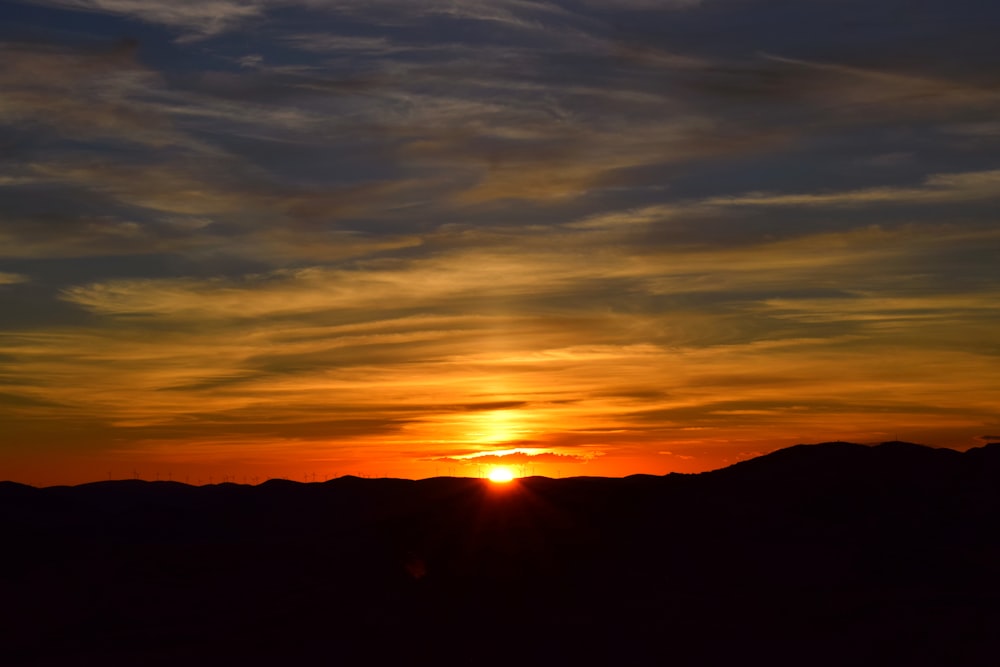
[(12, 278), (937, 188), (89, 92), (868, 87), (200, 17), (566, 367)]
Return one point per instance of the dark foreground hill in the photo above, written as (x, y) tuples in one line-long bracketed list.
[(833, 554)]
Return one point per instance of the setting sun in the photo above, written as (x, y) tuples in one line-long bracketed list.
[(501, 474)]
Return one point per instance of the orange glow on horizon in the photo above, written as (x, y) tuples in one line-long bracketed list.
[(614, 455)]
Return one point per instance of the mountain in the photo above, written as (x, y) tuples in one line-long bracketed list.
[(825, 554)]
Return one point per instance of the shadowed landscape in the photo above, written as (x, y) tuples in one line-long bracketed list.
[(827, 554)]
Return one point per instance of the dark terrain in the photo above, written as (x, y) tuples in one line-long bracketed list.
[(832, 554)]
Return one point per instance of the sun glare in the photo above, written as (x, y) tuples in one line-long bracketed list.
[(501, 474)]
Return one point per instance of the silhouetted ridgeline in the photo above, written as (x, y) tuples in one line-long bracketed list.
[(832, 554)]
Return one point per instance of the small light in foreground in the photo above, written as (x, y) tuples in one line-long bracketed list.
[(501, 474)]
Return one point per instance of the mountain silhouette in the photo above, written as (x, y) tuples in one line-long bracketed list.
[(826, 554)]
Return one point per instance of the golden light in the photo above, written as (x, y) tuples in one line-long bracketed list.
[(496, 426), (501, 474), (493, 427)]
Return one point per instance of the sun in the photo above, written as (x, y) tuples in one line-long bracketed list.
[(501, 474)]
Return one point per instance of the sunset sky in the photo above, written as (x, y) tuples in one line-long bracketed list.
[(242, 239)]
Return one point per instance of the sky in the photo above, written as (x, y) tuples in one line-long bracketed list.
[(243, 239)]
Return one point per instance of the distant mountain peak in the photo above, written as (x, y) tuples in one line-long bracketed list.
[(841, 461)]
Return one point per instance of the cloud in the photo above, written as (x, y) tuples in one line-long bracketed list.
[(97, 92), (620, 349), (886, 311), (554, 269), (979, 130), (323, 42), (868, 86), (642, 4), (186, 207), (526, 456), (199, 17), (937, 188), (210, 17), (519, 14), (191, 189), (12, 278)]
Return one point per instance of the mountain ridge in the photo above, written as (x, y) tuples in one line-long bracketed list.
[(990, 451), (819, 550)]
